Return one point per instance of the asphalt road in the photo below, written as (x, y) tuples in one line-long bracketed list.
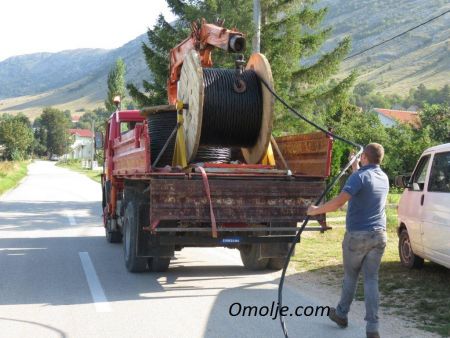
[(60, 278)]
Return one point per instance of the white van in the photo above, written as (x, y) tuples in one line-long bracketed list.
[(424, 210)]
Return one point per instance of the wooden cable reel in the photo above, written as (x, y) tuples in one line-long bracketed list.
[(191, 91)]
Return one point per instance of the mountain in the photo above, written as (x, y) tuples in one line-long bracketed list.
[(420, 56), (76, 79), (73, 79)]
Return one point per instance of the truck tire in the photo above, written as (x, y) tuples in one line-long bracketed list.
[(112, 236), (276, 263), (250, 257), (407, 257), (133, 263), (158, 264)]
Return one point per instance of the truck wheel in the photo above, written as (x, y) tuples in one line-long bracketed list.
[(276, 263), (407, 257), (250, 257), (112, 236), (132, 261), (158, 264)]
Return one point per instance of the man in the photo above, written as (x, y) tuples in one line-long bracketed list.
[(365, 237)]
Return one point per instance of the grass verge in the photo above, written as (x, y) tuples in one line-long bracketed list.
[(419, 296), (11, 173), (75, 165)]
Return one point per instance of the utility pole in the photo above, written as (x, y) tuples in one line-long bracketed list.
[(257, 25), (93, 145)]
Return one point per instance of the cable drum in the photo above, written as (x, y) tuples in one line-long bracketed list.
[(230, 118), (216, 114)]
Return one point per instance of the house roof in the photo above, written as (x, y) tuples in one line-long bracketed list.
[(402, 116), (81, 132)]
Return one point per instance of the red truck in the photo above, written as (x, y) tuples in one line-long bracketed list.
[(157, 208)]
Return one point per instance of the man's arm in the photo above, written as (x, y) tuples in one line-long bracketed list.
[(331, 205)]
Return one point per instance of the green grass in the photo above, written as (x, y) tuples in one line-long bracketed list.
[(11, 173), (75, 165), (420, 296)]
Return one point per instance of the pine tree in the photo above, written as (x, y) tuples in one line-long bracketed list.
[(290, 33), (116, 84)]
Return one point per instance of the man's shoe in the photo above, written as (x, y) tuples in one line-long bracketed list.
[(372, 335), (341, 322)]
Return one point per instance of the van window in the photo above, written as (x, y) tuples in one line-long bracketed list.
[(440, 173), (418, 178)]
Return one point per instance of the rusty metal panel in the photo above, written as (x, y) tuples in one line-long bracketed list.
[(247, 201), (306, 154)]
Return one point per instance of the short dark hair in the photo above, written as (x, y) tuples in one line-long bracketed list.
[(374, 153)]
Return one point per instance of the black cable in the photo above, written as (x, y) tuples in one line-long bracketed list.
[(213, 154), (160, 127), (230, 118), (396, 36), (327, 189)]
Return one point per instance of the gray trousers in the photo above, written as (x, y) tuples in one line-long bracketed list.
[(362, 250)]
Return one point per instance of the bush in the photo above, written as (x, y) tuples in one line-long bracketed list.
[(71, 162)]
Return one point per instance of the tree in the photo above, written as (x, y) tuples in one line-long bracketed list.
[(363, 89), (55, 123), (290, 33), (403, 147), (99, 116), (16, 135), (161, 39), (437, 118), (116, 84), (40, 137)]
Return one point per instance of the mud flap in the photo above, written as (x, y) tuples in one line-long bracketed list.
[(149, 245)]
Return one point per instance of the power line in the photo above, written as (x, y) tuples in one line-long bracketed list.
[(396, 36)]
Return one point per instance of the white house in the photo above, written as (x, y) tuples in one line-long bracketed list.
[(83, 146)]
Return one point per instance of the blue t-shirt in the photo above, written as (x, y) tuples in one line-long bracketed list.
[(368, 187)]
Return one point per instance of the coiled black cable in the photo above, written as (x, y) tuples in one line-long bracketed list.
[(213, 154), (160, 127), (230, 118)]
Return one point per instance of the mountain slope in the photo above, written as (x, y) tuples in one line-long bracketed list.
[(420, 56), (73, 80)]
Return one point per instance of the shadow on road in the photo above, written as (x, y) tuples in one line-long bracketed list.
[(48, 270), (50, 215)]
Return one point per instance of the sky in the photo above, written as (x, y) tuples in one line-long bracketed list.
[(30, 26)]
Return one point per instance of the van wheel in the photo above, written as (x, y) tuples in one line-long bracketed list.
[(407, 257), (250, 257)]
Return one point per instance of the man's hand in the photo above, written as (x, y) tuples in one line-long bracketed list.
[(330, 206), (312, 210), (355, 165)]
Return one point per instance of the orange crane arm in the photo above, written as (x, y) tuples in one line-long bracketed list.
[(203, 40)]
